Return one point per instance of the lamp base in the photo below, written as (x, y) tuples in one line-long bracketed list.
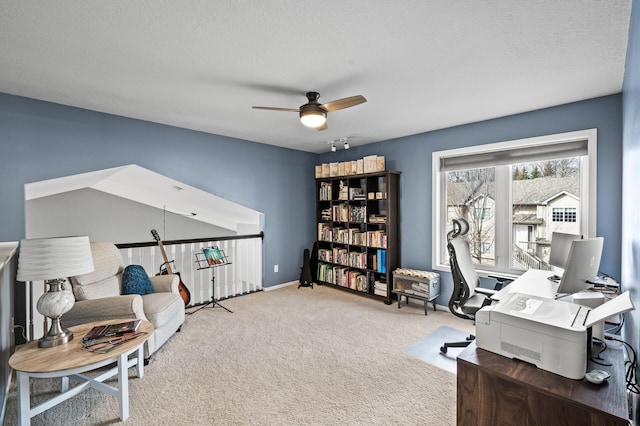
[(56, 335), (50, 340), (53, 304)]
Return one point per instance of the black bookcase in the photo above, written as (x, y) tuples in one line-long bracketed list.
[(358, 241)]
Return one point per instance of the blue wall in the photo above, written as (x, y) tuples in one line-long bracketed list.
[(412, 156), (41, 140), (631, 177)]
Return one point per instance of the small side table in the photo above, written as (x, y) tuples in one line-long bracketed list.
[(69, 361), (421, 285)]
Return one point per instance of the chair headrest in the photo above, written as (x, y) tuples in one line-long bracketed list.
[(460, 227)]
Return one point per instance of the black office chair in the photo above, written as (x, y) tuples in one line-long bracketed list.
[(468, 297)]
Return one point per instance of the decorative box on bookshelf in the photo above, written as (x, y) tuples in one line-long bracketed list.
[(368, 164), (358, 231)]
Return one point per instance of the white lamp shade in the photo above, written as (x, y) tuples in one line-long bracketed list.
[(43, 259), (313, 118)]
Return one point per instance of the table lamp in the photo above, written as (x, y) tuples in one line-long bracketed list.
[(52, 260)]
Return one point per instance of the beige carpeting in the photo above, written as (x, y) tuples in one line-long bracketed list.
[(307, 356)]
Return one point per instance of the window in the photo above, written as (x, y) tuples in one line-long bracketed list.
[(481, 247), (514, 195), (564, 214), (484, 213), (558, 214)]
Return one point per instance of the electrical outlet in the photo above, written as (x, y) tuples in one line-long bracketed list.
[(275, 268)]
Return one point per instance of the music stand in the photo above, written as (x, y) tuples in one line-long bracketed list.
[(212, 258)]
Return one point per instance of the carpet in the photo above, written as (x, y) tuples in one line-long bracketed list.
[(428, 349), (309, 357)]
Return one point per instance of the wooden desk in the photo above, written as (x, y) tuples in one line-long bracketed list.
[(495, 390), (68, 361)]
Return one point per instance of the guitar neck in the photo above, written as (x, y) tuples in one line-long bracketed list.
[(166, 259)]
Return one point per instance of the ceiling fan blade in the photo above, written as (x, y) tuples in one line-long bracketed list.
[(277, 109), (323, 127), (344, 103)]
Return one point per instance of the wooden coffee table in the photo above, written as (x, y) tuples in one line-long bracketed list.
[(69, 361)]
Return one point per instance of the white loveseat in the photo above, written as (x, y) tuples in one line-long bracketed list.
[(99, 297)]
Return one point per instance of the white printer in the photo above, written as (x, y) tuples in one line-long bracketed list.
[(548, 333)]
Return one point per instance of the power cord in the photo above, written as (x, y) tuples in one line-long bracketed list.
[(23, 331), (630, 366), (617, 328), (598, 359)]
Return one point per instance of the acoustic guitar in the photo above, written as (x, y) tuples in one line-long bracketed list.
[(165, 269)]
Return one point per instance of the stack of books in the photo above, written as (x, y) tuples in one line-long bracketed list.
[(380, 288), (104, 338)]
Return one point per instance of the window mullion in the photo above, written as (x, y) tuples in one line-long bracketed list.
[(503, 235)]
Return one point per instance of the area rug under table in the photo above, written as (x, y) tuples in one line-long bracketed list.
[(428, 349)]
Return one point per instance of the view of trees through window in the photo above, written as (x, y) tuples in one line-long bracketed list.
[(544, 197), (471, 195)]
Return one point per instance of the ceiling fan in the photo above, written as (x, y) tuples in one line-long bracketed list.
[(314, 114)]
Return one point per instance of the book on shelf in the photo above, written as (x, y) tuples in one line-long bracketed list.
[(357, 214), (380, 288), (325, 191), (343, 192), (357, 194), (325, 214), (377, 218)]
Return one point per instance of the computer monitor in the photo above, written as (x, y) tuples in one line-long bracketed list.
[(582, 264), (560, 246)]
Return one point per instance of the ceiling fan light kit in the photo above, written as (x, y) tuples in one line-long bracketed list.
[(313, 114)]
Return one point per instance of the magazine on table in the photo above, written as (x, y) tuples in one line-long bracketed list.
[(111, 330), (110, 343)]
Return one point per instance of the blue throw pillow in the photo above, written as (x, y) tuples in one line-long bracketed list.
[(136, 281)]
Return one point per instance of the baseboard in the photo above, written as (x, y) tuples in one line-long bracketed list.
[(279, 286), (442, 308)]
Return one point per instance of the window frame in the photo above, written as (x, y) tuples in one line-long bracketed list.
[(503, 207)]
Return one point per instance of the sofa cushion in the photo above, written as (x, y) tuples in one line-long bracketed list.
[(161, 308), (108, 287), (107, 262), (136, 281)]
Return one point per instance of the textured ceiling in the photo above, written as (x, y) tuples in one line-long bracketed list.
[(422, 65)]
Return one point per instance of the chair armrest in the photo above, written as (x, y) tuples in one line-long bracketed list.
[(106, 308), (500, 281), (485, 291), (165, 283)]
